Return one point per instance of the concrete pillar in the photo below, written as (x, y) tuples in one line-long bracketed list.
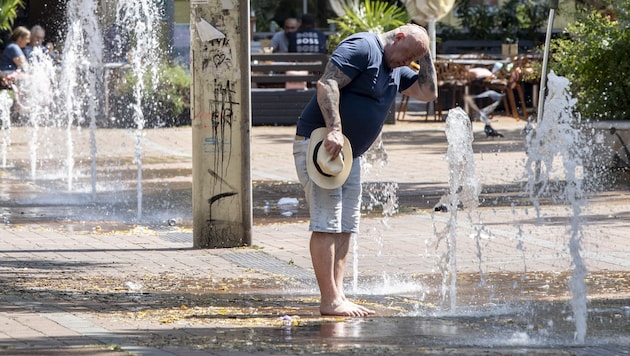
[(220, 70)]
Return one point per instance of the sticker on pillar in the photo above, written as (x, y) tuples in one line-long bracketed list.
[(207, 32), (227, 5), (214, 145)]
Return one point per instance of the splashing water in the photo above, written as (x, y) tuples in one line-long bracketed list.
[(69, 96), (376, 194), (463, 189), (81, 70), (5, 115), (557, 136), (38, 82), (139, 17)]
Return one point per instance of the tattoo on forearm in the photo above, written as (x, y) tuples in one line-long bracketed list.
[(328, 94), (426, 72)]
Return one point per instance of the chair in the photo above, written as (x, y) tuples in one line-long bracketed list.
[(451, 76), (505, 81), (402, 107), (531, 67), (404, 101)]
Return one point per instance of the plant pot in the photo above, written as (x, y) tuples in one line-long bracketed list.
[(509, 49)]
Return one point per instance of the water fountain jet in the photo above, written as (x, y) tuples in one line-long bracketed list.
[(463, 190), (68, 96), (558, 135), (5, 115)]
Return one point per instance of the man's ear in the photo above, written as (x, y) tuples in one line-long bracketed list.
[(400, 35)]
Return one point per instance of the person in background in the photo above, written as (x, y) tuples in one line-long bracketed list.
[(37, 41), (307, 38), (280, 40), (52, 52), (354, 94), (13, 57)]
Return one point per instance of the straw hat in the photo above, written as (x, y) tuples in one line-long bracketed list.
[(326, 172)]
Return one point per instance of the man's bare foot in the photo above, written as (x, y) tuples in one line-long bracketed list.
[(345, 308)]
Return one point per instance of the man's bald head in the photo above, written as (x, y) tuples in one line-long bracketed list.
[(405, 44)]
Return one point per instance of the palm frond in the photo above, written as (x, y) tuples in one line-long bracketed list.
[(8, 13), (367, 16)]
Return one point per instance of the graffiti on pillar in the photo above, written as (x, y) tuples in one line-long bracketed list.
[(217, 116), (222, 108), (218, 51), (219, 55), (217, 197)]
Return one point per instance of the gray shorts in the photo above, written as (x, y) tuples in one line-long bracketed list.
[(331, 210)]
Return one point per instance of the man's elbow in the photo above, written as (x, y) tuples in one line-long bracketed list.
[(326, 85)]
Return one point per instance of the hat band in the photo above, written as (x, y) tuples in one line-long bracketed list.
[(315, 151)]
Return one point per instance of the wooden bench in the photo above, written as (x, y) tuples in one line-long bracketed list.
[(282, 84)]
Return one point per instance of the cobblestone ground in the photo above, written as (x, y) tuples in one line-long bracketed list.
[(79, 277)]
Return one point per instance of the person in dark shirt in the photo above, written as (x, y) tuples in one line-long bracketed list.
[(307, 38), (361, 80), (37, 41), (13, 57)]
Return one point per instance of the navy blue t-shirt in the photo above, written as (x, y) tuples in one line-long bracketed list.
[(366, 100), (307, 40), (10, 52)]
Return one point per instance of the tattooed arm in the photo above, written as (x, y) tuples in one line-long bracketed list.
[(426, 90), (328, 97)]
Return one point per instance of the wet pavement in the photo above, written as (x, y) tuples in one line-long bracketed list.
[(80, 273)]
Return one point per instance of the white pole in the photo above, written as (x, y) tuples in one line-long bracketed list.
[(543, 76), (432, 37)]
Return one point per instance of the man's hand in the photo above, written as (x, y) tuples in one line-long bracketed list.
[(328, 96), (333, 143)]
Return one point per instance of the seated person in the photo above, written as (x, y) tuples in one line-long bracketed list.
[(37, 41), (280, 40), (52, 52), (13, 57), (307, 38), (8, 80)]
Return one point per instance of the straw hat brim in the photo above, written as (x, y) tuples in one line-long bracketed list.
[(324, 181)]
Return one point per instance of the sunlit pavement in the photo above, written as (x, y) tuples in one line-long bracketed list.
[(90, 289)]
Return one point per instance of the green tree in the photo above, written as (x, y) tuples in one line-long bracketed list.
[(165, 102), (594, 57), (478, 20), (8, 12), (514, 19), (265, 11), (366, 16), (532, 16)]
